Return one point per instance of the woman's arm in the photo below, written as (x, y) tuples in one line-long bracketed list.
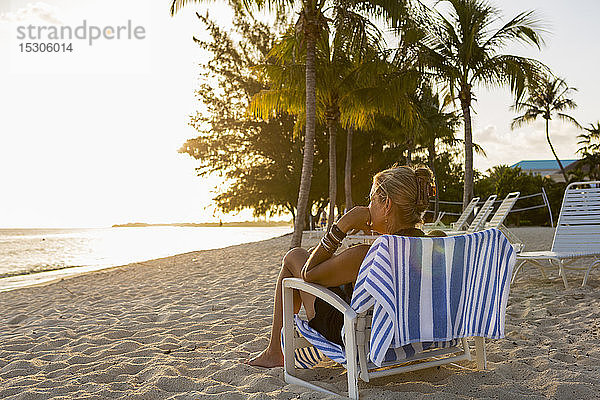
[(337, 270), (328, 270)]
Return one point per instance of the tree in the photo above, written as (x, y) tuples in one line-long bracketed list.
[(260, 161), (311, 23), (590, 151), (340, 68), (547, 96), (590, 142), (437, 126), (464, 50)]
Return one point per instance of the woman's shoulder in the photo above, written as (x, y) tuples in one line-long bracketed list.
[(416, 232)]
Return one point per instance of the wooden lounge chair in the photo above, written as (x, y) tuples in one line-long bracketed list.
[(450, 289), (577, 234)]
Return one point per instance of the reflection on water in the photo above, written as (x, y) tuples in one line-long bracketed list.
[(24, 251)]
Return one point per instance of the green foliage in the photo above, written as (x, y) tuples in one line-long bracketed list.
[(387, 100), (463, 48), (589, 166), (260, 161)]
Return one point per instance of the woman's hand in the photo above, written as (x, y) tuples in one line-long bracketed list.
[(357, 219)]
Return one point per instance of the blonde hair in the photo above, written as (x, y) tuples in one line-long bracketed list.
[(408, 190)]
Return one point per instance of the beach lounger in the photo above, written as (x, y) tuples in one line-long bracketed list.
[(461, 222), (502, 212), (415, 303), (500, 215), (478, 222), (577, 234), (438, 221)]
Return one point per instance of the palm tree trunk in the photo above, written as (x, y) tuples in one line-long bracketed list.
[(309, 139), (562, 169), (466, 109), (431, 156), (332, 171), (348, 169)]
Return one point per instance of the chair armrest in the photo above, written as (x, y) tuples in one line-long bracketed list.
[(321, 292)]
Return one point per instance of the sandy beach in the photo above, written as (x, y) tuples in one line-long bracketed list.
[(180, 327)]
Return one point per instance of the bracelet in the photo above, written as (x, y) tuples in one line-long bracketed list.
[(329, 247), (337, 233), (332, 240)]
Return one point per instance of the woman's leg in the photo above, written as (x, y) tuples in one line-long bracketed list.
[(291, 266)]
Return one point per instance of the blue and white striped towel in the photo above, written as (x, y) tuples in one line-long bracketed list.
[(434, 289)]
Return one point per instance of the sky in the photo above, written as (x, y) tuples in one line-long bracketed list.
[(90, 137)]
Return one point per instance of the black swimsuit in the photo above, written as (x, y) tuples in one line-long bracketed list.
[(328, 321)]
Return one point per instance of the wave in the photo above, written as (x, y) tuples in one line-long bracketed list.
[(37, 269)]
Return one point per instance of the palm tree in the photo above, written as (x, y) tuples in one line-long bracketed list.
[(548, 96), (464, 50), (311, 24), (438, 126), (588, 140), (590, 150), (339, 65)]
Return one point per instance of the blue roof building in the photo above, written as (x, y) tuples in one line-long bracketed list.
[(549, 168)]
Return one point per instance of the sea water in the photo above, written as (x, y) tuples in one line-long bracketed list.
[(24, 253)]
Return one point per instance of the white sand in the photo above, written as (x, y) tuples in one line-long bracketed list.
[(178, 328)]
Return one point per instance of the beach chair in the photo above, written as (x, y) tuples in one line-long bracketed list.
[(460, 223), (500, 215), (502, 212), (478, 222), (577, 234), (438, 221), (414, 304)]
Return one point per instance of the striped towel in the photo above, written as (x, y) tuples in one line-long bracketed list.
[(434, 289), (307, 357)]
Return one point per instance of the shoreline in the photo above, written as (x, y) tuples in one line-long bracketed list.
[(40, 278)]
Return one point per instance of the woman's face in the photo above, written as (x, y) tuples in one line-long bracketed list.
[(378, 210)]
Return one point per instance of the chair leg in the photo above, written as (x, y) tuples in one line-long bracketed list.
[(351, 358), (480, 352), (288, 331), (561, 272), (514, 277), (587, 273)]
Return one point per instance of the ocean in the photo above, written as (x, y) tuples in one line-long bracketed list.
[(30, 256)]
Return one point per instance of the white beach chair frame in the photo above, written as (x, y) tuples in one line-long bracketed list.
[(577, 234), (438, 221), (502, 212), (459, 223), (478, 222), (462, 220), (357, 331), (499, 217)]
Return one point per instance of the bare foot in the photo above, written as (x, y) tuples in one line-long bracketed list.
[(267, 360)]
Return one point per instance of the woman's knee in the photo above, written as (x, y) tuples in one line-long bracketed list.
[(294, 259)]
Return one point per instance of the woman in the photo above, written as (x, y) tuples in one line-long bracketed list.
[(398, 199)]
